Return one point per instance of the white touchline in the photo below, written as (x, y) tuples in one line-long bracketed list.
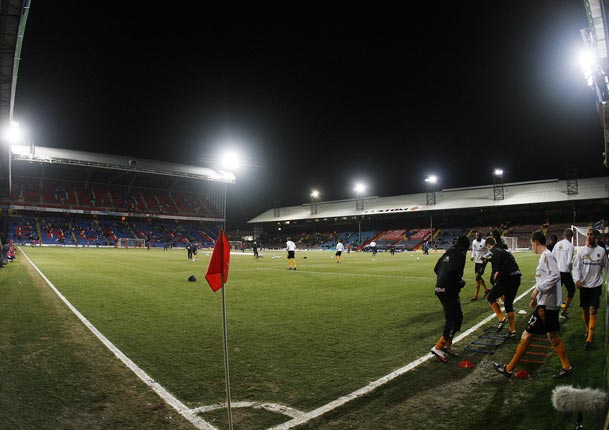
[(180, 407), (381, 381)]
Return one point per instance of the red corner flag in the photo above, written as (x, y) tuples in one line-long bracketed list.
[(217, 271)]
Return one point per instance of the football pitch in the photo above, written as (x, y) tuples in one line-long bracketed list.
[(298, 340)]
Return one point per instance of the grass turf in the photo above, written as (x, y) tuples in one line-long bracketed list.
[(299, 338)]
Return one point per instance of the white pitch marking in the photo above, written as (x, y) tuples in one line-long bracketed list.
[(273, 407), (351, 274), (180, 407), (381, 381), (355, 274)]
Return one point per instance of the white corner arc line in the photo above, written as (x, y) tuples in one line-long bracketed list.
[(273, 407), (180, 407), (381, 381)]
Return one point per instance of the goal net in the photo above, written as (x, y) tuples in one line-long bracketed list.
[(235, 245), (511, 242), (125, 242)]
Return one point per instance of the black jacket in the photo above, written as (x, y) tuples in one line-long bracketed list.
[(504, 263), (449, 270)]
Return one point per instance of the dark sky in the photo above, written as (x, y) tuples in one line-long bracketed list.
[(316, 96)]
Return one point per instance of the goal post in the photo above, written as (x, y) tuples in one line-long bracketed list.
[(235, 245), (127, 242), (511, 242), (580, 235)]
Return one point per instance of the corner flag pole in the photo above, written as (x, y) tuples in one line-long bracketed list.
[(226, 370)]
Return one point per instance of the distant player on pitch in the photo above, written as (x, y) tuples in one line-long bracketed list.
[(291, 248), (479, 253), (339, 250)]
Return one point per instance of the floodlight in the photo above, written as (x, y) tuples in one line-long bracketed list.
[(588, 62), (315, 194), (359, 188), (498, 172), (13, 133), (431, 179), (230, 160)]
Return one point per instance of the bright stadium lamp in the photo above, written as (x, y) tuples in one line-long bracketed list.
[(230, 160), (588, 63), (498, 188), (314, 197), (359, 188), (13, 133), (431, 179)]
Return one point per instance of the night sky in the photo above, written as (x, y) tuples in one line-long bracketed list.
[(316, 98)]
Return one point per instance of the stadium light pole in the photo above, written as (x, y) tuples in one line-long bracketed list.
[(359, 188), (498, 189), (430, 182), (314, 198)]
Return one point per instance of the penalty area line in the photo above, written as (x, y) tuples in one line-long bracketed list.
[(180, 407)]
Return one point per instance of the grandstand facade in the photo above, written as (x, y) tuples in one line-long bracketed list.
[(405, 222), (61, 197)]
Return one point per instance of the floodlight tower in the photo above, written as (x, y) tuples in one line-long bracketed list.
[(498, 188), (430, 185), (360, 190), (594, 62), (314, 198)]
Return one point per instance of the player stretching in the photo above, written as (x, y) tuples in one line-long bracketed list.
[(545, 300)]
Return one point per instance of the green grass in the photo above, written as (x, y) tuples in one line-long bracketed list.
[(301, 338)]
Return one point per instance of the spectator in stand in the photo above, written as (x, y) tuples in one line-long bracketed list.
[(11, 251), (563, 251), (590, 265)]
